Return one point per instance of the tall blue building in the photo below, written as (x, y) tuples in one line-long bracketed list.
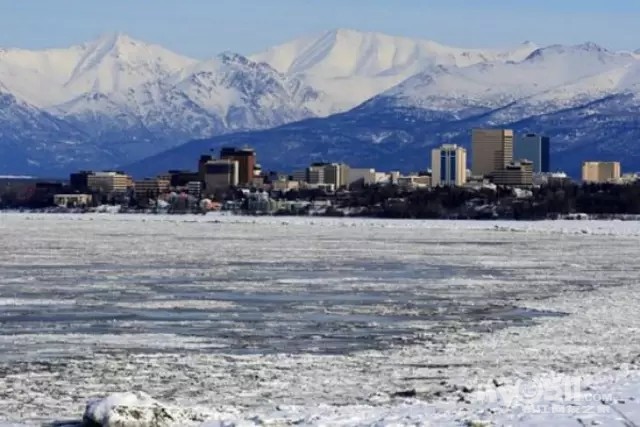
[(534, 148)]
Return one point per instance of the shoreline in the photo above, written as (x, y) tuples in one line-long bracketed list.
[(558, 217)]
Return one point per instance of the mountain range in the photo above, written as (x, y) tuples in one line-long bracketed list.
[(365, 98)]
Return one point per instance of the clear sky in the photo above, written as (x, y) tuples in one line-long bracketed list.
[(203, 28)]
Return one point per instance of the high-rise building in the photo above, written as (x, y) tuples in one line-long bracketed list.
[(201, 165), (600, 172), (246, 158), (448, 166), (492, 150), (336, 174), (534, 148), (315, 173), (79, 181), (220, 175)]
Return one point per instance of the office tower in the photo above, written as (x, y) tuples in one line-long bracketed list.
[(600, 172), (492, 150), (220, 175), (448, 166), (79, 181), (534, 148), (336, 174), (315, 173), (246, 158), (201, 165)]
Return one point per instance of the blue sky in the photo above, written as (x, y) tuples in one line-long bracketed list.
[(203, 28)]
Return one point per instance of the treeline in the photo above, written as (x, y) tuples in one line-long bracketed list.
[(387, 201), (548, 201)]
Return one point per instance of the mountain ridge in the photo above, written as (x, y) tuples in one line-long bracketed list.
[(115, 97)]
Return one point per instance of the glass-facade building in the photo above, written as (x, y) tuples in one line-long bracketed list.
[(535, 148)]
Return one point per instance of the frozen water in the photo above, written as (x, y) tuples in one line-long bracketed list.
[(324, 321)]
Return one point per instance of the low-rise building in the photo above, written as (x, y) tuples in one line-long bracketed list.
[(361, 177), (320, 186), (109, 182), (629, 178), (194, 188), (299, 175), (151, 187), (257, 182), (181, 178), (382, 178), (285, 185), (551, 178), (394, 176), (515, 174), (72, 200), (414, 181), (600, 172)]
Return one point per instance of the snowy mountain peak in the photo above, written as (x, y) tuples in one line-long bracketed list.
[(352, 66), (591, 46), (584, 49), (110, 41), (235, 58), (116, 60)]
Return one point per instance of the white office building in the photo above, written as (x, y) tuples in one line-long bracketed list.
[(448, 166)]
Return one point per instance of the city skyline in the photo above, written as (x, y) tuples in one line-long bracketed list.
[(204, 29)]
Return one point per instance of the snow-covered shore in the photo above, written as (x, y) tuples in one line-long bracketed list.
[(600, 227)]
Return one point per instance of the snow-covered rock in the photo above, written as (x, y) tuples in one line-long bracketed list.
[(135, 409)]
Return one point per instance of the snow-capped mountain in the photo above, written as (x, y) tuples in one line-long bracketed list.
[(572, 71), (30, 136), (92, 105), (111, 64), (353, 66), (224, 94), (132, 99), (585, 97), (246, 94)]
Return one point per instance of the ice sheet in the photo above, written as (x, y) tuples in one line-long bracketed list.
[(326, 319)]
